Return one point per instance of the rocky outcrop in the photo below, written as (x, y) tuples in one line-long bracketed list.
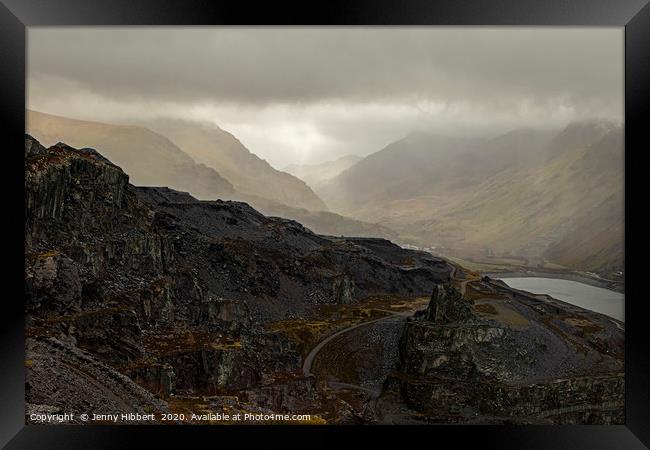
[(447, 305), (173, 292), (461, 362), (259, 259), (63, 379)]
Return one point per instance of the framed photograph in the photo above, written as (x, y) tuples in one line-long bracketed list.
[(371, 217)]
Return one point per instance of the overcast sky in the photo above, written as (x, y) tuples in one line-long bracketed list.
[(306, 95)]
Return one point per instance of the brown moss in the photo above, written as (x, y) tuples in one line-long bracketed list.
[(585, 326), (146, 361), (160, 284), (282, 378), (162, 344), (548, 321), (475, 292), (37, 331), (36, 256), (486, 308), (43, 161), (327, 319)]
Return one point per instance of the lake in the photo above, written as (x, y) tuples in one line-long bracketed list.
[(589, 297)]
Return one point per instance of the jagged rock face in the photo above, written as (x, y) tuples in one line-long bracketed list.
[(447, 305), (343, 290), (458, 365), (449, 340), (584, 400), (456, 351), (63, 379), (174, 292), (89, 243), (278, 266)]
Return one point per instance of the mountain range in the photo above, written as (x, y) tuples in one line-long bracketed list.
[(546, 196), (203, 160), (152, 159), (208, 144)]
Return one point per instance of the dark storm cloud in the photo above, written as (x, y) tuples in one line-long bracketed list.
[(258, 65), (312, 94)]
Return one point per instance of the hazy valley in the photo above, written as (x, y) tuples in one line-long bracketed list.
[(316, 174), (525, 194)]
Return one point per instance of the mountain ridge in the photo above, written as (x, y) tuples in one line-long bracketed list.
[(512, 195), (152, 159), (156, 160), (211, 145)]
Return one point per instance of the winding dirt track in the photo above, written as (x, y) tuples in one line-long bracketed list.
[(309, 360)]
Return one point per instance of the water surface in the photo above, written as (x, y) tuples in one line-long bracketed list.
[(593, 298)]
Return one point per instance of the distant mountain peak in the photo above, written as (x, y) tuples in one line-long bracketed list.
[(518, 193), (149, 158), (211, 145)]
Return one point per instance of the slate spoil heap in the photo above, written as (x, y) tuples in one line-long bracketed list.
[(136, 296)]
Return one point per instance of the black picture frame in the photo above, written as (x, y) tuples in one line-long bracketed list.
[(16, 15)]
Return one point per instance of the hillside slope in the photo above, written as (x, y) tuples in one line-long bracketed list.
[(151, 159), (216, 148), (175, 293), (525, 193)]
